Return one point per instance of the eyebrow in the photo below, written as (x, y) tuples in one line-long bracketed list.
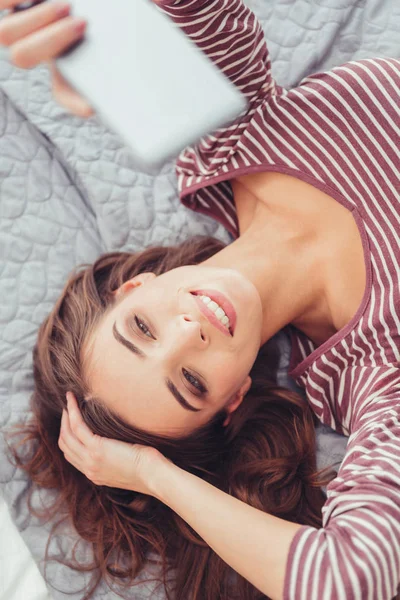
[(130, 345), (179, 397), (135, 350)]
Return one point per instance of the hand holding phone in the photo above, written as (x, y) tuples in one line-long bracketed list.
[(145, 78), (38, 32)]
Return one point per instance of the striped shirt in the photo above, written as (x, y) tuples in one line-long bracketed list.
[(340, 132)]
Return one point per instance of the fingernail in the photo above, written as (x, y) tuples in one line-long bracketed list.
[(63, 10), (80, 27)]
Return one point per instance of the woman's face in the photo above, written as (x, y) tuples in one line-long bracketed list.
[(164, 360)]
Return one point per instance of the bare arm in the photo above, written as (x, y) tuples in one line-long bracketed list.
[(253, 543)]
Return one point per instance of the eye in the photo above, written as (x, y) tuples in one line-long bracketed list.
[(141, 325), (194, 382)]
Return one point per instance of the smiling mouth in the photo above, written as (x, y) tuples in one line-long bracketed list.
[(218, 310)]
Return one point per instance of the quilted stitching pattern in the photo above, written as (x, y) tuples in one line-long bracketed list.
[(70, 190)]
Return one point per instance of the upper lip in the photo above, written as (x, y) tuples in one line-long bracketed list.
[(224, 303)]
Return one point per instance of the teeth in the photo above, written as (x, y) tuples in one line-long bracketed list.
[(217, 310)]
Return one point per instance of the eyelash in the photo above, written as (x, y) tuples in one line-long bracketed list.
[(140, 325), (198, 388)]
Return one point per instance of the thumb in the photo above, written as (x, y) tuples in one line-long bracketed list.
[(66, 96)]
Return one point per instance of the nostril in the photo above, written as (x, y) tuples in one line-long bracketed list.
[(188, 319)]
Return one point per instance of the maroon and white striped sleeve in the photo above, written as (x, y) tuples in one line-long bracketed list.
[(356, 554), (228, 32)]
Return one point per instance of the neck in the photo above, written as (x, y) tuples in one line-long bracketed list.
[(285, 268)]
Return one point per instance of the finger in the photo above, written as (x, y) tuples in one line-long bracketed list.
[(67, 97), (5, 4), (70, 440), (77, 424), (76, 459), (19, 25), (69, 455), (72, 461), (13, 4), (70, 446), (47, 43)]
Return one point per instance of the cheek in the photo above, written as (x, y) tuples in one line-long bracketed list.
[(228, 376)]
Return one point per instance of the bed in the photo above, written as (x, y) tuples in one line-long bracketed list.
[(69, 190)]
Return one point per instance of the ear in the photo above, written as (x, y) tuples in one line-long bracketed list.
[(237, 400), (133, 283)]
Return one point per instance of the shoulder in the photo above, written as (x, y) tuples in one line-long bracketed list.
[(353, 91), (368, 74)]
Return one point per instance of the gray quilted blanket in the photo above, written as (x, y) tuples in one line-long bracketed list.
[(69, 190)]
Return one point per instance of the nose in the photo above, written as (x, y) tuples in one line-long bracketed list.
[(185, 335), (183, 339), (191, 331)]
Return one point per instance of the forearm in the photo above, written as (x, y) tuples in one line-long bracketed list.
[(253, 543), (232, 38)]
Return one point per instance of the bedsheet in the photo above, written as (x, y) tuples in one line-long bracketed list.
[(20, 578), (70, 190)]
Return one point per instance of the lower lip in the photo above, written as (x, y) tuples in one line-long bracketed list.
[(224, 303)]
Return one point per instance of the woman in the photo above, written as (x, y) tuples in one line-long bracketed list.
[(310, 180)]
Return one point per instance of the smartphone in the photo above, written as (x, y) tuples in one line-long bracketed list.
[(147, 80)]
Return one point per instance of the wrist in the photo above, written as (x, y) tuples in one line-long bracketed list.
[(161, 480)]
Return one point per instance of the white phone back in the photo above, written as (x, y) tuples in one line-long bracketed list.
[(147, 80)]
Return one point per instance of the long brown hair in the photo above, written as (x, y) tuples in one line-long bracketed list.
[(265, 457)]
